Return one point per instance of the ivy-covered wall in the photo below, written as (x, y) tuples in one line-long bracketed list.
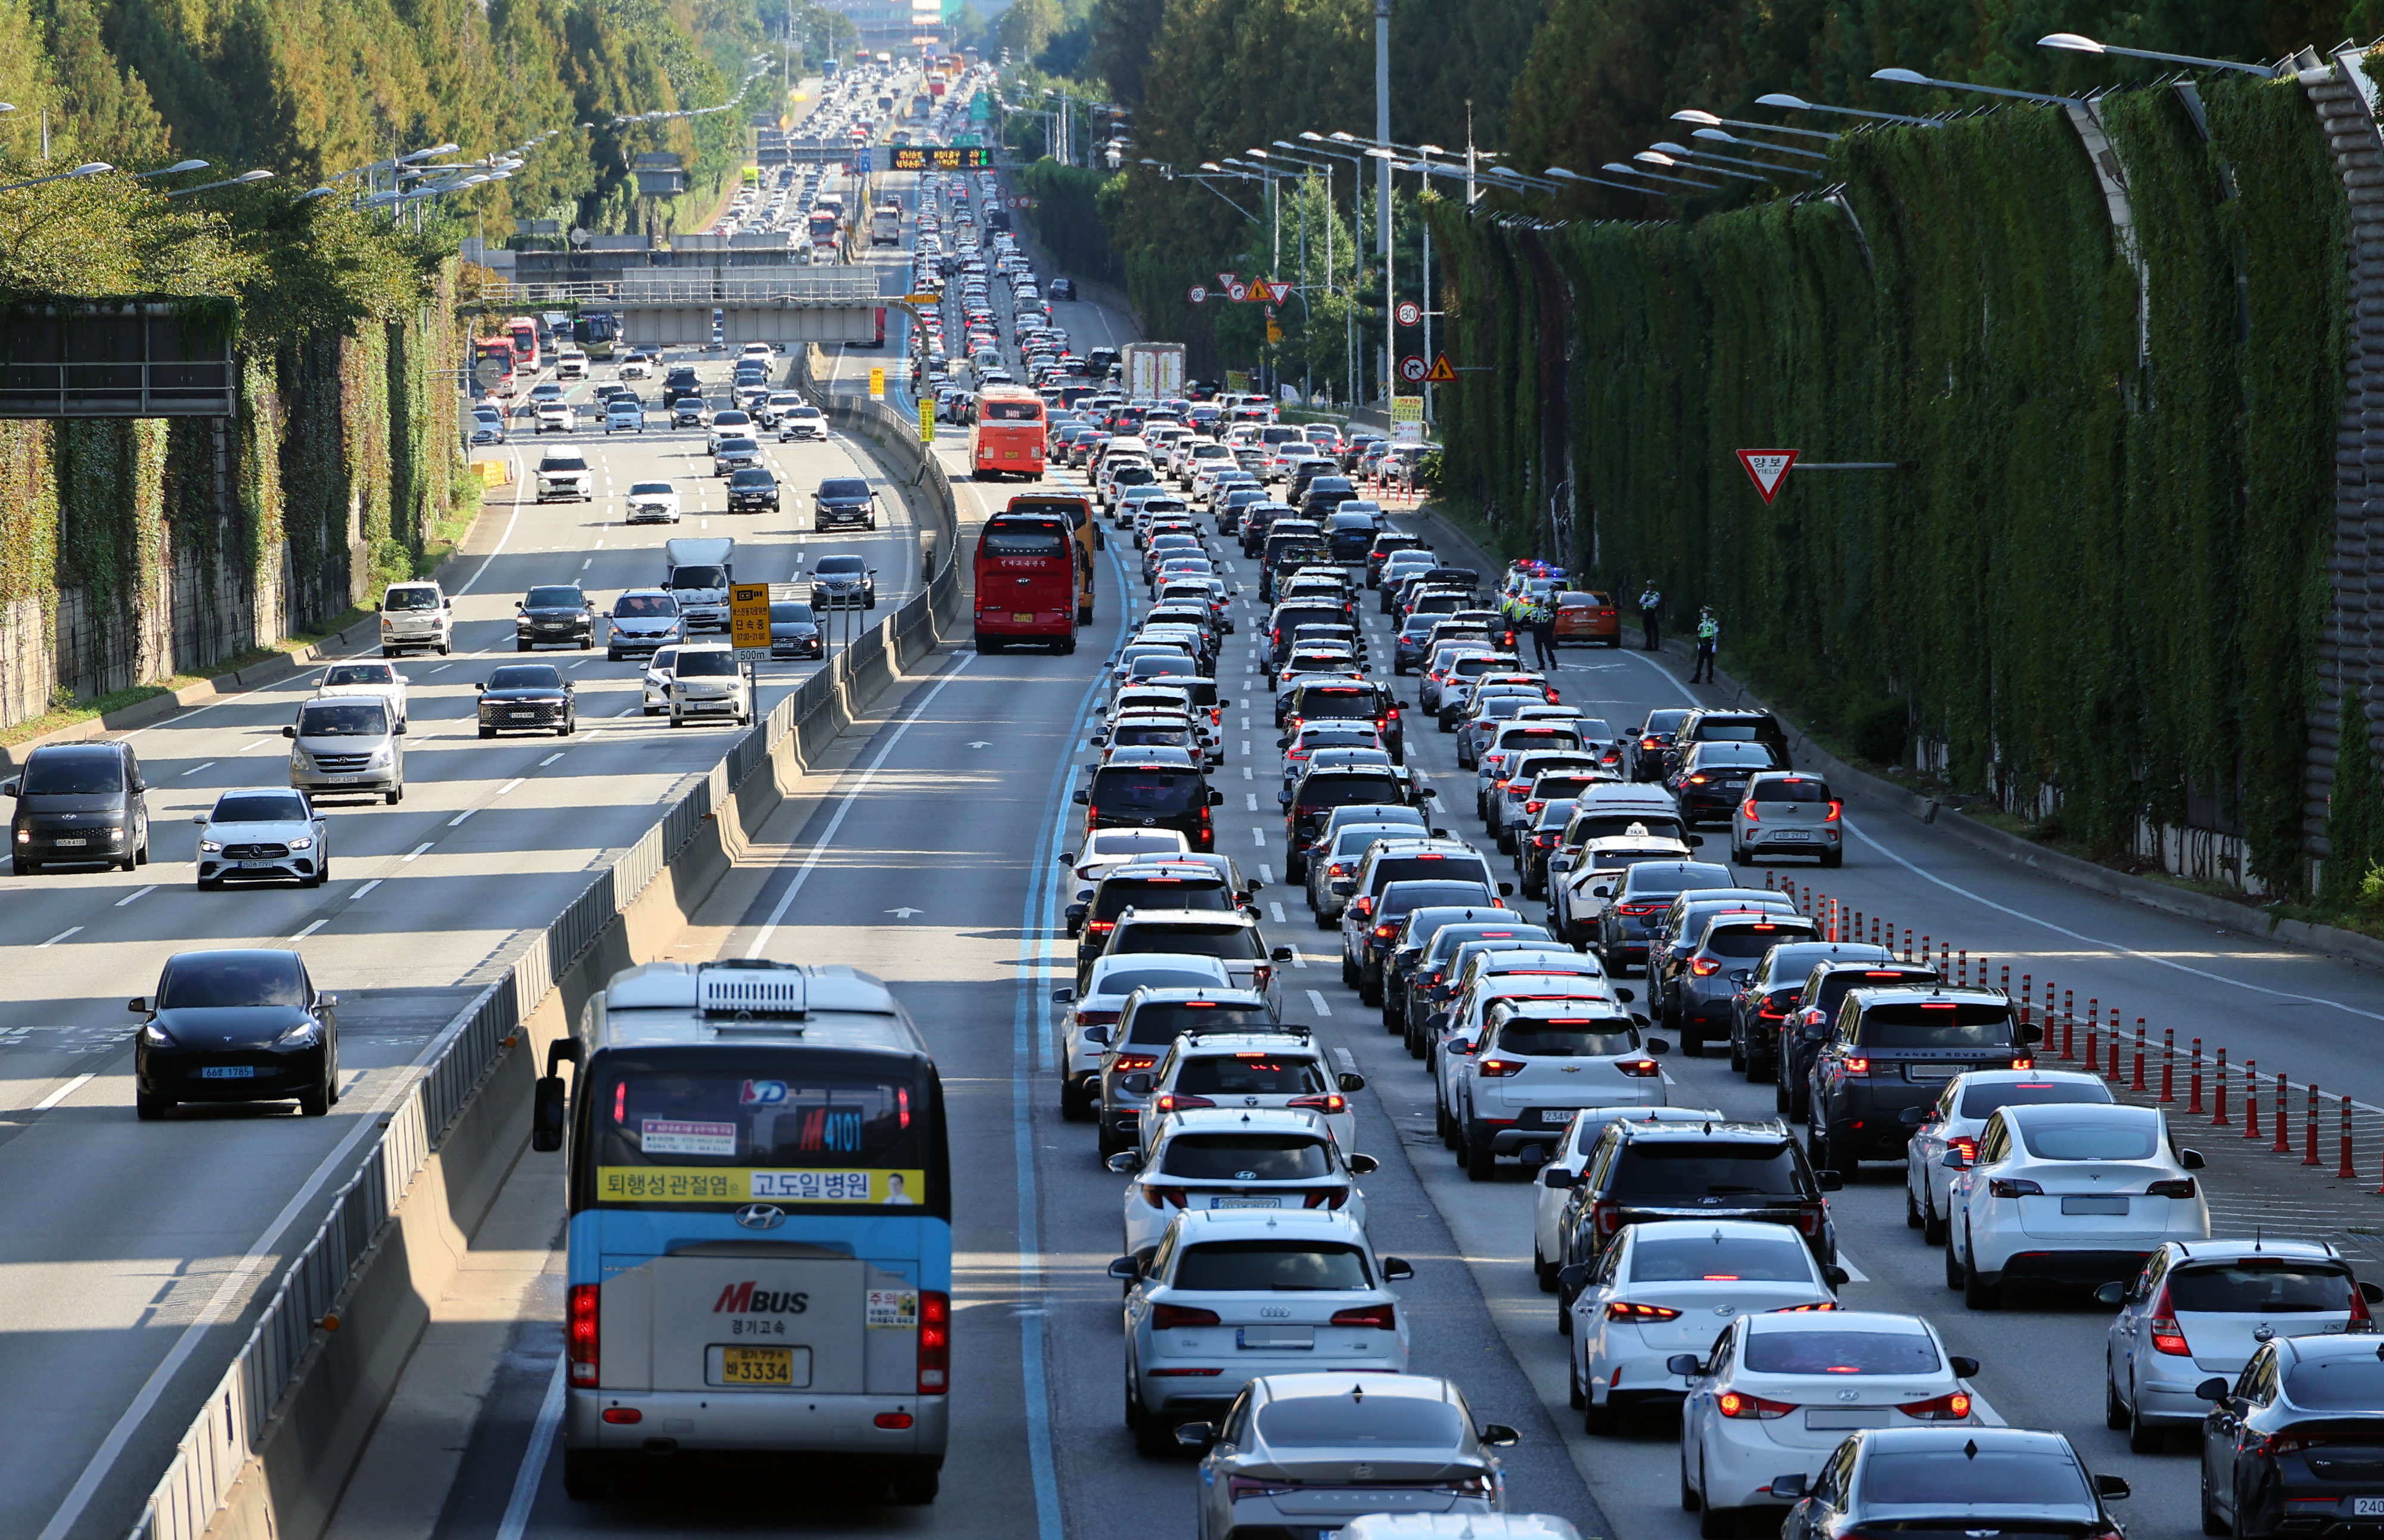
[(134, 550), (2099, 573)]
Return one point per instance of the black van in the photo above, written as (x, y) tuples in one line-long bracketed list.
[(79, 804), (1306, 808), (1152, 794)]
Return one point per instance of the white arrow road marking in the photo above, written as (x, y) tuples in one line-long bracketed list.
[(904, 914)]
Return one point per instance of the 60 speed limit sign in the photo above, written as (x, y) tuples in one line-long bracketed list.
[(1412, 369)]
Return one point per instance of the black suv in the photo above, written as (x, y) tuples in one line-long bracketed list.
[(1323, 790), (1653, 744), (1894, 1048), (1761, 1006), (1697, 1171), (1700, 979), (79, 803), (556, 614), (1807, 1026), (1155, 884), (1716, 726), (751, 490), (1157, 794), (681, 382)]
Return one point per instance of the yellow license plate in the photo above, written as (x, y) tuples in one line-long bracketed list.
[(757, 1366), (1017, 619)]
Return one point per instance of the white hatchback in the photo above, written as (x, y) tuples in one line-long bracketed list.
[(1237, 1159)]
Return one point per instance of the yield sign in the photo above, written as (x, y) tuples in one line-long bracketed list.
[(1769, 468), (1441, 373), (1277, 291), (1227, 281)]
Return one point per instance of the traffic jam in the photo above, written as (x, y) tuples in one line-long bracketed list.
[(1548, 912)]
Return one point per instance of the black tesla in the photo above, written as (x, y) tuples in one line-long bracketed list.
[(236, 1025)]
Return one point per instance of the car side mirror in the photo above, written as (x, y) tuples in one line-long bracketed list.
[(1125, 1268), (1829, 1181), (138, 1005), (1099, 1035), (2033, 1032), (1696, 840), (1125, 1162), (1195, 1435), (1659, 1046), (1075, 914), (1253, 887), (1789, 1488), (1954, 1159), (1625, 996), (1064, 995), (1223, 702), (199, 818), (1835, 1276), (1283, 799), (2111, 1294), (2111, 1488), (1505, 890), (1686, 1364), (1432, 794), (399, 730), (1436, 1023), (1913, 1117), (1364, 1165), (2191, 1159), (1281, 954), (1964, 1367), (1556, 1177), (1351, 1081), (2211, 1389), (1559, 865), (291, 732), (8, 788), (1136, 1084), (1082, 798), (1397, 1270), (2372, 1293), (1498, 1436), (548, 1108), (1216, 799)]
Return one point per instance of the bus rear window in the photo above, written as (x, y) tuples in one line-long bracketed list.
[(1013, 411), (759, 1132), (1047, 540)]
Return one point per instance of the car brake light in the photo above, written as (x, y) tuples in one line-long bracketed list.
[(2177, 1186), (1499, 1069), (1327, 1197), (1170, 1103), (1855, 1066), (1160, 1197), (1697, 781), (1954, 1406), (1381, 1317), (1361, 907), (1332, 1103), (1809, 1217), (580, 1335), (1638, 1069), (1966, 1146), (1534, 806), (1382, 932), (1747, 809), (1705, 966), (2167, 1336), (1836, 808), (934, 1342), (1623, 1310), (1735, 1403), (1804, 1309), (1127, 1062), (2013, 1187), (1605, 1216), (1164, 1316)]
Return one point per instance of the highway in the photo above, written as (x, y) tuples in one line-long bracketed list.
[(131, 1253)]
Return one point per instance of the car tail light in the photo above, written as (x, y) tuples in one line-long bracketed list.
[(1534, 805), (1327, 1197), (1804, 1309), (2278, 1443), (2175, 1187), (1096, 1018), (1261, 975), (1164, 1316), (1092, 813), (1386, 931), (1966, 1146), (1170, 1103), (1383, 1317), (1766, 1011), (1638, 1069), (1854, 1066), (1697, 781), (1623, 1310), (1737, 1403), (2013, 1187), (1746, 809), (581, 1335), (2023, 1063), (1953, 1406), (1606, 1217), (1239, 1487), (1705, 967), (1651, 743), (1334, 1102), (2359, 1306), (1499, 1069), (2167, 1336), (1809, 1217), (1836, 809), (934, 1342), (1160, 1197), (1361, 907)]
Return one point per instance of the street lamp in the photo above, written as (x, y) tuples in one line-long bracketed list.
[(2074, 44), (1560, 174), (1797, 104), (1701, 156), (242, 180), (174, 171), (1723, 136), (1657, 157), (1914, 77), (1707, 119), (1625, 169), (88, 168)]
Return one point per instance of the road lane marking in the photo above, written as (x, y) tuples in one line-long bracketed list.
[(442, 668), (78, 1082), (130, 897), (366, 888), (416, 852), (1276, 910), (61, 935), (1258, 835), (510, 784), (532, 1471), (549, 760), (310, 930), (460, 817), (1316, 998), (197, 768)]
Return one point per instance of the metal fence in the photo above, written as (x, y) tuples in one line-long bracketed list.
[(232, 1425)]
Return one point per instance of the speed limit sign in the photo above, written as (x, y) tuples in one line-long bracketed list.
[(1412, 369), (1409, 313), (1198, 294)]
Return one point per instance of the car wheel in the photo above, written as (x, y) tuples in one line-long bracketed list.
[(2115, 1411), (1717, 1523), (2144, 1438), (2211, 1521), (1952, 1263), (1546, 1272), (521, 647), (1911, 1208), (1075, 1100), (1109, 1141), (611, 656), (322, 873), (1833, 858), (1480, 1157), (1441, 1125), (316, 1103), (487, 732), (1780, 1101), (1738, 856), (1977, 1292), (149, 1109), (1689, 1501), (1738, 1055), (586, 1475), (1349, 970), (388, 651), (1573, 1396), (1932, 1224)]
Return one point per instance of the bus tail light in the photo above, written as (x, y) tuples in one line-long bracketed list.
[(934, 1342), (579, 1336)]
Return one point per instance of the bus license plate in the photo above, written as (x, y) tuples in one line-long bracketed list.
[(764, 1366)]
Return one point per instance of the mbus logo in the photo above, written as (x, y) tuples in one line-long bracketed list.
[(745, 1298)]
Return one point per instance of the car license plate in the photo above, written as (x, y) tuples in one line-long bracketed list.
[(2093, 1205), (1932, 1072), (344, 780), (2368, 1508), (525, 716), (1018, 619), (1832, 1418), (774, 1368), (228, 1072), (1792, 834), (76, 843), (1229, 1202), (1276, 1336), (258, 866)]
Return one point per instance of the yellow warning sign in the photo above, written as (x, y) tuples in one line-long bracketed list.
[(877, 382), (1274, 332), (749, 615), (926, 421), (1440, 374)]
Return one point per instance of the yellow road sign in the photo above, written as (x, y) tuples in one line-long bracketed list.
[(923, 299), (749, 615), (927, 422), (1441, 373), (1275, 332), (877, 382)]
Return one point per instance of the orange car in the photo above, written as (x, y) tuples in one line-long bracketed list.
[(1588, 617)]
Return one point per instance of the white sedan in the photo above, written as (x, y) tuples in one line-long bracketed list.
[(1955, 1121), (1664, 1288), (652, 501), (379, 681), (2067, 1195), (1778, 1393)]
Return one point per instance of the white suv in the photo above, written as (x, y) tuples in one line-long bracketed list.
[(416, 615), (710, 681)]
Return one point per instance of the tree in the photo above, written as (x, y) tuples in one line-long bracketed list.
[(1027, 26)]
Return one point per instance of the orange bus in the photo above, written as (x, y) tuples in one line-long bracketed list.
[(1078, 512), (524, 333), (492, 365), (1008, 434), (1026, 582)]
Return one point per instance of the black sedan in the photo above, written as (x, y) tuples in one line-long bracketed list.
[(842, 500), (752, 490), (794, 630), (1952, 1480), (560, 614), (236, 1027), (2296, 1444), (528, 697)]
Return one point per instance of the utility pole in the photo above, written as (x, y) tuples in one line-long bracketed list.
[(1382, 182), (1469, 153)]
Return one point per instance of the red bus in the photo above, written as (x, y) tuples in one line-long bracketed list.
[(492, 365), (1008, 437), (1078, 512), (523, 334), (1026, 582)]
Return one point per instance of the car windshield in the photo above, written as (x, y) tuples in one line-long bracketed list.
[(637, 605), (260, 807), (782, 613), (1236, 943), (711, 662), (1981, 1102), (1790, 788), (840, 567), (1938, 1024), (847, 488), (1663, 1169), (698, 578), (228, 980), (554, 599), (1164, 1021), (2098, 1138), (1720, 1258), (410, 599), (525, 676), (361, 674), (1567, 1037), (1370, 1422), (356, 719), (2262, 1285), (755, 477), (560, 462), (1246, 1157), (1271, 1266), (1834, 1352), (1953, 1478), (1249, 1073)]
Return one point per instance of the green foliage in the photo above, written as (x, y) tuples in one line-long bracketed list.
[(1068, 218)]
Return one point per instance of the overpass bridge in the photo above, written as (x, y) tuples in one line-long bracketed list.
[(675, 307)]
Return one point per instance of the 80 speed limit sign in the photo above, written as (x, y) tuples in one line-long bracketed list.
[(1409, 313), (1198, 294)]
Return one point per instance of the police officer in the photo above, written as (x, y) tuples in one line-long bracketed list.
[(1544, 628), (1708, 638), (1650, 603)]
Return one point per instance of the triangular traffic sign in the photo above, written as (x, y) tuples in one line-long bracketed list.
[(1226, 280), (1441, 373), (1279, 291), (1768, 467)]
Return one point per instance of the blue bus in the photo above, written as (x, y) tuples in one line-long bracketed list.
[(760, 1232)]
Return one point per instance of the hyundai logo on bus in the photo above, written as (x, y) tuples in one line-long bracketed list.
[(761, 1216)]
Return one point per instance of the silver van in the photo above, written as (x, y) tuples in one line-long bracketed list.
[(347, 744)]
